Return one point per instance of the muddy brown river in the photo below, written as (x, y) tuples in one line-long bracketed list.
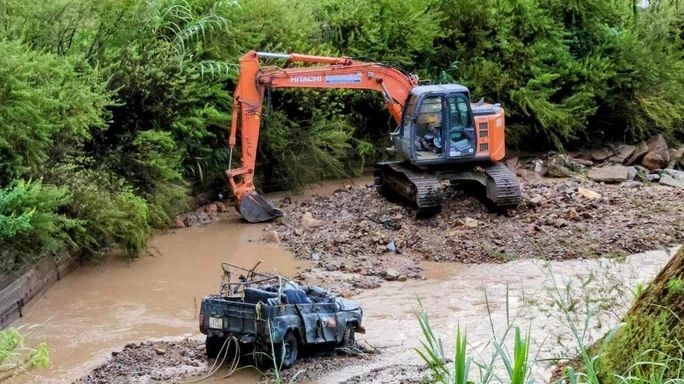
[(100, 308)]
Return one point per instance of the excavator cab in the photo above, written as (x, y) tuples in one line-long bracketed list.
[(437, 126)]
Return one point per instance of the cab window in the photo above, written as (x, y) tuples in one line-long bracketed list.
[(429, 128)]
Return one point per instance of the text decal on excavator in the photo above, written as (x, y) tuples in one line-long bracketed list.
[(305, 79), (350, 78)]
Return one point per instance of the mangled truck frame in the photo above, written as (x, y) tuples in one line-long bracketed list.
[(274, 316)]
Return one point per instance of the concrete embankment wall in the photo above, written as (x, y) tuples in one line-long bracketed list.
[(29, 285)]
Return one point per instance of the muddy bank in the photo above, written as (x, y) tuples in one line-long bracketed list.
[(355, 230)]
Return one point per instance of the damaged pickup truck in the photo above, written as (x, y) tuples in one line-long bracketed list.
[(275, 316)]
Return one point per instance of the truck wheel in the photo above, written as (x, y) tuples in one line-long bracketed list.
[(213, 345), (286, 351), (349, 336)]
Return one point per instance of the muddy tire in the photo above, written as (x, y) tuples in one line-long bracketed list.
[(213, 345), (349, 336), (285, 353)]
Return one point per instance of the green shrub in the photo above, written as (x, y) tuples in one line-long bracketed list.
[(111, 213), (16, 358), (49, 105), (32, 224)]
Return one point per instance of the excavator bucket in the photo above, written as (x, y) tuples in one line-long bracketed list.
[(255, 209)]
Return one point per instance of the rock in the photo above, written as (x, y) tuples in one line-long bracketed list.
[(210, 209), (588, 193), (392, 247), (679, 175), (160, 351), (272, 237), (115, 353), (391, 274), (622, 153), (670, 181), (658, 154), (130, 346), (537, 199), (583, 162), (601, 154), (652, 177), (315, 256), (221, 206), (178, 222), (308, 221), (204, 218), (468, 222), (562, 166), (639, 151), (512, 164), (632, 172), (609, 174), (676, 156), (631, 184), (539, 167), (298, 231), (402, 278)]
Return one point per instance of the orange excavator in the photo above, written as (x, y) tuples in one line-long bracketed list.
[(440, 136)]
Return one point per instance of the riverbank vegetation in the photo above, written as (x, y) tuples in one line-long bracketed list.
[(15, 358), (114, 111), (646, 347)]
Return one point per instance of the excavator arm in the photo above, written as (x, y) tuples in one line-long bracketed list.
[(327, 72)]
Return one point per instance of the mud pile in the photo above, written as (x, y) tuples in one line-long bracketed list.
[(356, 230), (151, 362)]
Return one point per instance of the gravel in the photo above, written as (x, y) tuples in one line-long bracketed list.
[(558, 219)]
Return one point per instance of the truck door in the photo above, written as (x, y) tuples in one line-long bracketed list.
[(319, 322)]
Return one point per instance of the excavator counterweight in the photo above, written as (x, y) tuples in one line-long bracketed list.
[(440, 135)]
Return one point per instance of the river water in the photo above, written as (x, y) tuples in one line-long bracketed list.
[(99, 308)]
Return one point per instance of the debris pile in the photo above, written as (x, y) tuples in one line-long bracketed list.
[(358, 231), (648, 161), (202, 215), (151, 362)]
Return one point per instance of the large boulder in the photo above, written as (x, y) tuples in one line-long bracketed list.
[(601, 154), (609, 174), (658, 154), (670, 181), (622, 153), (676, 156), (639, 152)]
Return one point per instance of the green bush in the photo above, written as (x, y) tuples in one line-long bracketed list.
[(112, 214), (31, 223), (49, 106)]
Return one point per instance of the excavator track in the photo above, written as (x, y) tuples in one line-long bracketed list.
[(424, 189), (501, 185), (503, 188), (420, 188)]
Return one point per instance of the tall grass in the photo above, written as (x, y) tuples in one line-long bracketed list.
[(517, 364), (15, 358)]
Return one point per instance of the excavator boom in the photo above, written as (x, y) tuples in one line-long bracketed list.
[(331, 73)]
